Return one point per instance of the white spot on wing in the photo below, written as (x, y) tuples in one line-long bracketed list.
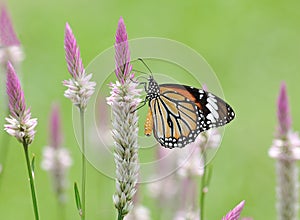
[(214, 113), (211, 118), (213, 102)]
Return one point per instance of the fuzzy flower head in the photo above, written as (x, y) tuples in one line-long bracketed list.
[(283, 112), (124, 100), (55, 129), (160, 189), (57, 162), (187, 207), (10, 45), (56, 159), (122, 55), (187, 215), (286, 145), (287, 148), (80, 88), (190, 159), (235, 213), (139, 212), (190, 162), (20, 124)]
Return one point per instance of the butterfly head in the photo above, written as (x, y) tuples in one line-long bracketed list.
[(153, 89)]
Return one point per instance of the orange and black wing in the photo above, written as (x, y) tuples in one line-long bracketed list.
[(181, 112)]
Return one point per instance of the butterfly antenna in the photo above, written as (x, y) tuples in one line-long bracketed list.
[(139, 71), (141, 60)]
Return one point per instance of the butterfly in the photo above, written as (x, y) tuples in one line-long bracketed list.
[(177, 113)]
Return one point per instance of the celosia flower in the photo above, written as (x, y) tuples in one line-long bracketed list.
[(10, 45), (20, 124), (283, 112), (55, 138), (122, 55), (286, 151), (279, 147), (235, 213), (186, 215), (188, 208), (190, 161), (159, 189), (210, 139), (80, 88), (124, 100), (139, 212), (56, 159)]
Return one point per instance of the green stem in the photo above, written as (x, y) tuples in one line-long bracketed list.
[(83, 171), (33, 195), (203, 187), (61, 210), (120, 216)]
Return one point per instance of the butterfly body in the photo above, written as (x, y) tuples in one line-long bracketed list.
[(178, 113)]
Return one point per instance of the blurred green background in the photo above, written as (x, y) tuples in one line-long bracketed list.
[(252, 45)]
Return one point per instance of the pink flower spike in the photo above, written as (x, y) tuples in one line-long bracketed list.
[(80, 87), (7, 34), (15, 94), (74, 61), (19, 124), (55, 128), (283, 112), (122, 55), (234, 214)]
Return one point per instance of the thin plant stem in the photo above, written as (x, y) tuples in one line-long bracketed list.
[(61, 210), (203, 187), (31, 180), (83, 171), (120, 216)]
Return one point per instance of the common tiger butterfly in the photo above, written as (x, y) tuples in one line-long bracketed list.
[(178, 113)]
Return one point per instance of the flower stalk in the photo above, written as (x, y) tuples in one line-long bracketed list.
[(57, 160), (204, 183), (80, 89), (10, 49), (209, 139), (20, 124), (124, 100), (31, 180), (286, 151), (203, 186), (83, 167)]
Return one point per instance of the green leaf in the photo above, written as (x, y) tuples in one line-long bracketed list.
[(32, 163), (77, 199)]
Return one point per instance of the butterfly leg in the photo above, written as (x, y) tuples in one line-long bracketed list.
[(144, 103)]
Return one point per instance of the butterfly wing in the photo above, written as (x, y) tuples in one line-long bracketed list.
[(181, 112)]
